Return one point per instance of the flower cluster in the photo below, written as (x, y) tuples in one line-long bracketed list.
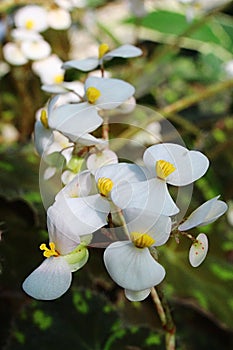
[(29, 45), (126, 207)]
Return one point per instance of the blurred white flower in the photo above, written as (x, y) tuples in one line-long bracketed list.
[(13, 54), (71, 4), (31, 17), (4, 68), (35, 49), (228, 67), (49, 70), (8, 133), (59, 19)]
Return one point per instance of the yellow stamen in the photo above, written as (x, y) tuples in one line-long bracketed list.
[(164, 168), (142, 240), (92, 94), (105, 186), (49, 252), (103, 49), (29, 24), (58, 79), (44, 119)]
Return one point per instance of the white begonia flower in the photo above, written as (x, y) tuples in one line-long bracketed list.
[(86, 201), (31, 17), (59, 19), (198, 250), (207, 213), (88, 64), (13, 54), (49, 70), (35, 49), (73, 123), (64, 256), (166, 163), (76, 121), (130, 263)]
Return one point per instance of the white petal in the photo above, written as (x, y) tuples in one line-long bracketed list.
[(84, 139), (84, 65), (80, 186), (190, 165), (151, 195), (205, 214), (137, 296), (132, 268), (50, 280), (121, 173), (13, 54), (64, 244), (34, 13), (157, 226), (81, 216), (75, 119), (36, 50), (42, 137), (198, 251), (59, 19), (113, 91), (102, 158), (124, 51)]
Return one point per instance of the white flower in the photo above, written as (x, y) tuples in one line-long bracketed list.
[(49, 70), (70, 4), (4, 68), (76, 121), (22, 34), (166, 163), (85, 65), (130, 263), (59, 19), (198, 250), (31, 17), (13, 54), (64, 256), (86, 201), (207, 213), (35, 49)]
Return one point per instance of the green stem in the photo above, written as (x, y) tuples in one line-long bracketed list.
[(165, 317)]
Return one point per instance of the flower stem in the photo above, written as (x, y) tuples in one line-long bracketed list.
[(165, 317)]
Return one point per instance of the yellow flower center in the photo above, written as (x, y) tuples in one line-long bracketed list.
[(29, 24), (49, 252), (103, 49), (44, 118), (164, 168), (142, 240), (92, 94), (105, 186), (58, 79)]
